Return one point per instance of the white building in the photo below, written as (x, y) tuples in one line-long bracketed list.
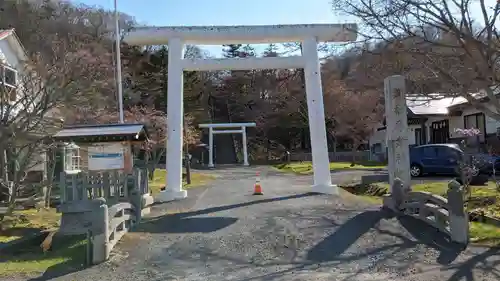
[(13, 58), (12, 55), (436, 121)]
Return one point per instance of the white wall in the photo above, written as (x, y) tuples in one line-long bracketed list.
[(491, 124), (8, 56), (380, 136)]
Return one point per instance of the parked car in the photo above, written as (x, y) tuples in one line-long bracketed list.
[(445, 158)]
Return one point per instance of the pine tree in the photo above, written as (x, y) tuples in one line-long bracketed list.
[(271, 51), (232, 50)]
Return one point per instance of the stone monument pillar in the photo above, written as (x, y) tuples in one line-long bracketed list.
[(397, 131)]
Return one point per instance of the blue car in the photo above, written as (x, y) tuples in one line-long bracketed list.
[(445, 158)]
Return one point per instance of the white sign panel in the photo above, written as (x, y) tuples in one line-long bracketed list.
[(106, 157)]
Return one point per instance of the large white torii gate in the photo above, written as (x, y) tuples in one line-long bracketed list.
[(223, 129), (308, 35)]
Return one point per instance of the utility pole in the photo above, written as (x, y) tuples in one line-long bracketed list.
[(118, 63)]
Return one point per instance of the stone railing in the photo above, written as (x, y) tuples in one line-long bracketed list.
[(103, 205), (445, 214)]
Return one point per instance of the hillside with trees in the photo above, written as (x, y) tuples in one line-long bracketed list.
[(72, 46)]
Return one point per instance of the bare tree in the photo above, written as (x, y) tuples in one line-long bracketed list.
[(30, 109), (446, 47)]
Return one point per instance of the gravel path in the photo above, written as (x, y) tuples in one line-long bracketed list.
[(225, 233)]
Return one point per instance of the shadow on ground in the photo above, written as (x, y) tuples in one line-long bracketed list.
[(187, 222), (412, 242), (332, 247), (346, 235), (333, 251), (177, 224), (59, 270)]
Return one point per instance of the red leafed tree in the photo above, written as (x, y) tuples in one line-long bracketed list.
[(354, 114)]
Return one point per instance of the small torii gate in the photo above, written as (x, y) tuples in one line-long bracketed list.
[(224, 129), (307, 34)]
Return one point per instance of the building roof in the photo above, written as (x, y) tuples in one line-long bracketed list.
[(11, 36), (438, 104), (98, 133), (426, 106)]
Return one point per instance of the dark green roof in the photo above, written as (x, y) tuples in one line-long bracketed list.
[(106, 132)]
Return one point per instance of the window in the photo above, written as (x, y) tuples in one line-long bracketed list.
[(418, 136), (440, 131), (377, 148), (447, 152), (429, 152), (72, 159), (8, 81), (476, 121)]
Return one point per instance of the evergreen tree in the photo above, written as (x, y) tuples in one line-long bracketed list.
[(232, 50), (271, 51)]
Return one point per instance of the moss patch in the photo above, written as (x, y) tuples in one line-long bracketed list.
[(439, 188), (484, 234), (305, 168), (160, 177)]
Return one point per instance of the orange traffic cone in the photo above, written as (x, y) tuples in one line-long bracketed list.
[(257, 189)]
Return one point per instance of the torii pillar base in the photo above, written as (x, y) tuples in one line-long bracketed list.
[(331, 189), (170, 195)]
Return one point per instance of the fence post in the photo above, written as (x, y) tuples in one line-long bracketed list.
[(85, 185), (63, 191), (137, 181), (136, 198), (459, 219), (106, 186), (100, 231), (145, 182)]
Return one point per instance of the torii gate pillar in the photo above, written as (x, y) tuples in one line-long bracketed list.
[(307, 35)]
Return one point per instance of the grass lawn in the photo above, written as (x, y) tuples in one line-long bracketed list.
[(31, 259), (160, 177), (439, 188), (24, 222), (481, 233), (69, 253), (305, 168)]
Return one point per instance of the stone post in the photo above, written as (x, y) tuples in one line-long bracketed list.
[(397, 130), (100, 233), (459, 219), (136, 199), (140, 196), (396, 198)]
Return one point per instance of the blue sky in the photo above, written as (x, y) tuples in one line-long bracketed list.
[(224, 12)]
